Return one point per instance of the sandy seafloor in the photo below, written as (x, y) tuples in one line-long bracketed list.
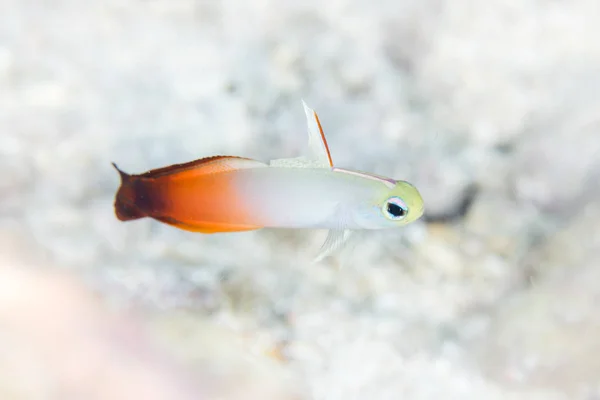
[(491, 108)]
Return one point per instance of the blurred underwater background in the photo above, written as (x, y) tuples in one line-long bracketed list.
[(491, 109)]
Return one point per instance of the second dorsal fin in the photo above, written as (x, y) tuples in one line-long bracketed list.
[(202, 166)]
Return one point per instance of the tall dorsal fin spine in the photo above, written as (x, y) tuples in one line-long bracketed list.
[(316, 137)]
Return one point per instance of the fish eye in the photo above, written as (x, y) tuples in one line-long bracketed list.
[(395, 209)]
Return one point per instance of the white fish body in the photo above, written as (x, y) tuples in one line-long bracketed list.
[(311, 192)]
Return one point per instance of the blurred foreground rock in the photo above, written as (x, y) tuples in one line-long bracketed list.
[(58, 341)]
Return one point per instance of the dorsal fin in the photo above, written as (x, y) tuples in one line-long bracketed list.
[(316, 138), (202, 166)]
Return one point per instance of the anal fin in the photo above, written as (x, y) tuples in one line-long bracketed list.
[(206, 228)]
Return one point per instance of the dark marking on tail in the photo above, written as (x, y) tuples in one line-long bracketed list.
[(123, 175), (127, 199)]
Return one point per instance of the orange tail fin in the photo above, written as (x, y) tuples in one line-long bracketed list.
[(130, 190)]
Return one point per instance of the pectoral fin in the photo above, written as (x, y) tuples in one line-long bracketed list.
[(336, 238)]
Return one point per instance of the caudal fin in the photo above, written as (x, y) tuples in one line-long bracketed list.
[(126, 208)]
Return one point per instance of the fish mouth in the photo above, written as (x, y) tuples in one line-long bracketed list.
[(419, 212), (421, 209)]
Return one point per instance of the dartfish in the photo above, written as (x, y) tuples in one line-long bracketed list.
[(232, 194)]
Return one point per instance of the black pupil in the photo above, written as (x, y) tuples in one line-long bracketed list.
[(395, 210)]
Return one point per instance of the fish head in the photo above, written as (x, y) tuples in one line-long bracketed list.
[(396, 205)]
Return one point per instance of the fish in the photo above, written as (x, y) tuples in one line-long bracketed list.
[(220, 194)]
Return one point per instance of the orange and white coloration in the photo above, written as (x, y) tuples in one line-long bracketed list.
[(229, 194)]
